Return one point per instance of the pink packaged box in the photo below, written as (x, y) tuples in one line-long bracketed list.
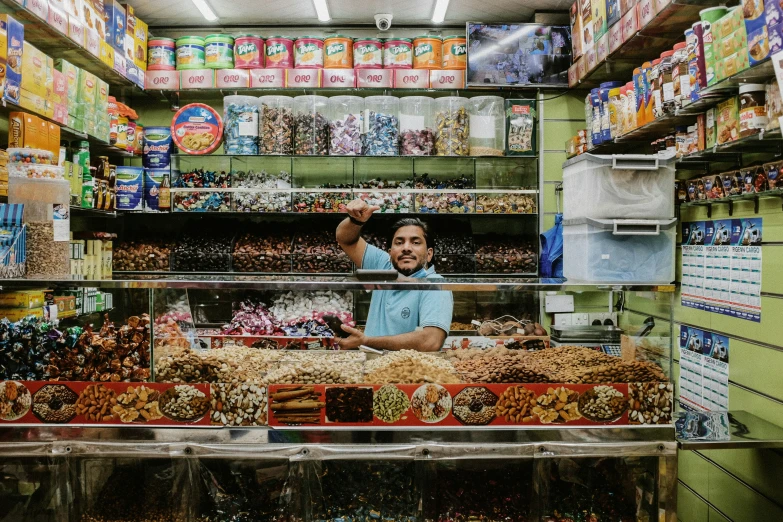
[(411, 79), (602, 48), (232, 78), (302, 78), (646, 12), (162, 80), (260, 78), (447, 79), (92, 42), (374, 78), (197, 79), (76, 30), (615, 37), (58, 19), (630, 23), (38, 7), (60, 113), (337, 78)]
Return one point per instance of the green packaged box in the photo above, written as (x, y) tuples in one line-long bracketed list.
[(728, 24), (88, 88), (520, 127), (71, 73)]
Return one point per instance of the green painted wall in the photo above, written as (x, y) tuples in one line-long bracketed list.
[(726, 485)]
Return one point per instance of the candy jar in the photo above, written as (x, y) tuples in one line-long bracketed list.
[(417, 137), (487, 124), (451, 126), (240, 125), (311, 126), (345, 125), (381, 136), (276, 124)]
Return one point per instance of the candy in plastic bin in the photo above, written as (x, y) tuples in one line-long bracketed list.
[(34, 156), (383, 136), (345, 138), (240, 129)]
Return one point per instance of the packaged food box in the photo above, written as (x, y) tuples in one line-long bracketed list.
[(130, 19), (775, 38), (731, 183), (23, 130), (140, 54), (92, 42), (758, 44), (38, 7), (58, 20), (87, 90), (33, 70), (600, 22), (115, 17), (17, 314), (728, 23), (71, 74), (713, 186), (773, 12), (587, 25), (102, 96), (576, 30), (24, 299), (752, 10), (11, 51), (94, 18), (613, 12), (711, 129), (731, 44), (71, 7), (728, 121), (107, 54)]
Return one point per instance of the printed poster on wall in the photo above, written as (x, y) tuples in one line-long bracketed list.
[(721, 267), (704, 370)]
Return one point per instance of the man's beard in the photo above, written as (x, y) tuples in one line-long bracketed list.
[(407, 272)]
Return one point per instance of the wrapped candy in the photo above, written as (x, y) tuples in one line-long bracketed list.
[(240, 125), (418, 142), (263, 199), (317, 200), (251, 318), (452, 128), (345, 125), (201, 201), (311, 134), (277, 125)]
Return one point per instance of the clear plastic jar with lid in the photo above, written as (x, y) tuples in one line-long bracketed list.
[(240, 125), (345, 125), (276, 121), (487, 122), (615, 112), (666, 81), (451, 126), (381, 132), (311, 135), (417, 135)]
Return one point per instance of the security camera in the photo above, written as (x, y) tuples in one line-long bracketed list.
[(383, 21)]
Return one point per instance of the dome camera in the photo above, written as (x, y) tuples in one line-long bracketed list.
[(383, 21)]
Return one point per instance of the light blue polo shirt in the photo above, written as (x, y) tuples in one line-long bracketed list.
[(394, 312)]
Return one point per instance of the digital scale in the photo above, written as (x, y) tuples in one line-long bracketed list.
[(600, 338)]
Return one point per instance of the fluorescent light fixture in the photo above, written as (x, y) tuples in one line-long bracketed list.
[(322, 10), (205, 10), (439, 14)]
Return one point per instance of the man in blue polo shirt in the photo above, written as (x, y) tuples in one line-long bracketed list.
[(398, 319)]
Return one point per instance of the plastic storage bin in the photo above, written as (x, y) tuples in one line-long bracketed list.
[(619, 250), (312, 126), (487, 121), (276, 125), (417, 137), (451, 124), (618, 187), (381, 133)]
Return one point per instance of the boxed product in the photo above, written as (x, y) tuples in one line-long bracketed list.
[(101, 96), (140, 54), (87, 88), (602, 48), (71, 7), (731, 44), (758, 44), (711, 129), (587, 25), (774, 104), (630, 23), (58, 20), (94, 17), (600, 23), (23, 299), (92, 42), (107, 54), (54, 140), (120, 63), (59, 92), (130, 19), (728, 121), (34, 70), (71, 74), (11, 52), (38, 7), (576, 30), (773, 12), (613, 12), (615, 37), (775, 38), (76, 30), (17, 314), (727, 24), (115, 17), (774, 175)]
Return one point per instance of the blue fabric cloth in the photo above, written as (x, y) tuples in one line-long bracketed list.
[(394, 312), (551, 263)]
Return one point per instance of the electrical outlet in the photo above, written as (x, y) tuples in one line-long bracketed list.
[(601, 317), (579, 319), (559, 303), (563, 319)]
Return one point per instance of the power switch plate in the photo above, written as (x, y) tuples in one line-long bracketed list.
[(559, 303)]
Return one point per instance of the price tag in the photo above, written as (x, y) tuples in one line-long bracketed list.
[(58, 20), (411, 79), (615, 37), (76, 30), (374, 78), (197, 79), (39, 7), (646, 12), (261, 78), (92, 41), (233, 78), (302, 78), (447, 79), (338, 78), (162, 80)]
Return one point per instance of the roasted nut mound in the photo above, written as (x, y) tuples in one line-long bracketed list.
[(96, 402), (230, 364), (602, 403), (349, 404), (475, 406), (184, 403), (650, 402), (516, 404), (55, 403), (431, 403), (618, 371), (462, 326), (464, 354), (315, 372), (14, 400), (557, 405), (139, 404), (410, 367), (502, 369), (389, 403), (238, 404)]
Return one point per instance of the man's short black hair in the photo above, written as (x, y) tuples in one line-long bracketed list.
[(410, 222)]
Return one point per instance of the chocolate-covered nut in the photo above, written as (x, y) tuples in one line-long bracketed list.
[(255, 253), (497, 254), (202, 253), (318, 252), (142, 256)]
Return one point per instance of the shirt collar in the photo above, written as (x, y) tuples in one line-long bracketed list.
[(424, 272)]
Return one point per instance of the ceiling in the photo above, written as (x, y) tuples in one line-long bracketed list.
[(238, 13)]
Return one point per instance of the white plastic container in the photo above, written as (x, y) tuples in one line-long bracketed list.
[(619, 250), (618, 187), (487, 126)]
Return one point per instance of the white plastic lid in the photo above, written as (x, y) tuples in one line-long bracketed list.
[(751, 87)]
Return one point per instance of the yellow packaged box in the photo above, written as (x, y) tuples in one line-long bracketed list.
[(34, 70), (22, 130), (17, 314), (728, 120), (140, 54), (107, 54), (23, 299), (33, 102), (734, 43)]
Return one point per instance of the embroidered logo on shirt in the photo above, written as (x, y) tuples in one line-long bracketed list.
[(406, 312)]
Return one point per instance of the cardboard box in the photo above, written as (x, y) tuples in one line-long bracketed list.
[(120, 63), (107, 54), (576, 30), (300, 78), (54, 140), (102, 96), (130, 19), (727, 24), (33, 102), (406, 79), (60, 113), (630, 23), (613, 13), (40, 8), (58, 19), (71, 74), (728, 121), (140, 54), (34, 70), (93, 19), (602, 48), (116, 19), (375, 78), (773, 13), (76, 30), (22, 299), (615, 37), (573, 74), (240, 78), (198, 79), (775, 38), (135, 74), (600, 22), (646, 12), (22, 130), (87, 90), (72, 8), (59, 93), (17, 314), (14, 49), (92, 42), (588, 41), (758, 44), (733, 43), (164, 80)]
